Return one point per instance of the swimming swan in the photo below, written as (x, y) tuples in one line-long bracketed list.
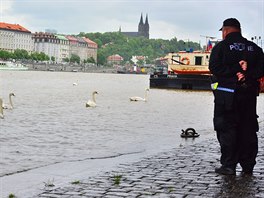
[(92, 103), (1, 109), (10, 105), (137, 98)]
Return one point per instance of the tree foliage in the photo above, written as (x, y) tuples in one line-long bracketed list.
[(39, 56), (90, 60), (5, 55), (111, 43), (75, 58), (21, 54)]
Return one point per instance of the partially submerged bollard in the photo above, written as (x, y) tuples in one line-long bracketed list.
[(189, 132)]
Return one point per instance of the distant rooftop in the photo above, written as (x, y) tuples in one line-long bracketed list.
[(13, 27)]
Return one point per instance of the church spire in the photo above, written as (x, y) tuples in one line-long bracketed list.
[(146, 27), (141, 20), (146, 21), (140, 26), (143, 28)]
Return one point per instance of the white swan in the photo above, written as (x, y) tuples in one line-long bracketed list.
[(10, 105), (1, 109), (92, 103), (137, 98)]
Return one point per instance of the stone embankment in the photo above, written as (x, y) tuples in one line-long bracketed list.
[(71, 68), (182, 172)]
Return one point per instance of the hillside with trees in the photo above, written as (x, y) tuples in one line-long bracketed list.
[(110, 43)]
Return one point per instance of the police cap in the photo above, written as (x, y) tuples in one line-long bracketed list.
[(230, 22)]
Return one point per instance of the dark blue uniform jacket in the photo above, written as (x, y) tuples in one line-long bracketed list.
[(225, 57)]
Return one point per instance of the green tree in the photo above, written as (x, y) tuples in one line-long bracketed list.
[(52, 59), (90, 60), (99, 42), (101, 58), (39, 56), (43, 57), (75, 59), (66, 59), (21, 54), (5, 55), (34, 56)]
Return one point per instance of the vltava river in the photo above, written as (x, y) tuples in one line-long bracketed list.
[(50, 123)]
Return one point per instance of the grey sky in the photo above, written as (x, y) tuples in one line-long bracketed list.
[(183, 19)]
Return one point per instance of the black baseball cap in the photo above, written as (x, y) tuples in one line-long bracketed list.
[(230, 22)]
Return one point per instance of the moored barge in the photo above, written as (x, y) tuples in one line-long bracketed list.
[(180, 81), (186, 70)]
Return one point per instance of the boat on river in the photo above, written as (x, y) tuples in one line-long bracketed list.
[(8, 65), (189, 62), (186, 70)]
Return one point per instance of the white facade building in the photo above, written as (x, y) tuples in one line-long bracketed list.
[(46, 43), (64, 48), (14, 36)]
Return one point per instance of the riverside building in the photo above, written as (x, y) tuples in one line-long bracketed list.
[(64, 46), (58, 46), (14, 36)]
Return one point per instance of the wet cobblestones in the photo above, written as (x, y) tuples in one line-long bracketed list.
[(182, 172)]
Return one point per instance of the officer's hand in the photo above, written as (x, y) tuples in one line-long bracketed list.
[(243, 65), (240, 76)]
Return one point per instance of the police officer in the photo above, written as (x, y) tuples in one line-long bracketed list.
[(236, 65)]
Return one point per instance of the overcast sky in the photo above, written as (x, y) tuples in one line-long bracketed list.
[(183, 19)]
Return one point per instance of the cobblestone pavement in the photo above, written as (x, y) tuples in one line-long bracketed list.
[(182, 172)]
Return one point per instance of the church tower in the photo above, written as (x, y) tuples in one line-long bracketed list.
[(146, 28), (143, 28)]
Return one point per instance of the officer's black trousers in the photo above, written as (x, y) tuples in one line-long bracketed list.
[(235, 122)]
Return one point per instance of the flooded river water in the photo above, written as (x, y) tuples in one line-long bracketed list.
[(50, 123)]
